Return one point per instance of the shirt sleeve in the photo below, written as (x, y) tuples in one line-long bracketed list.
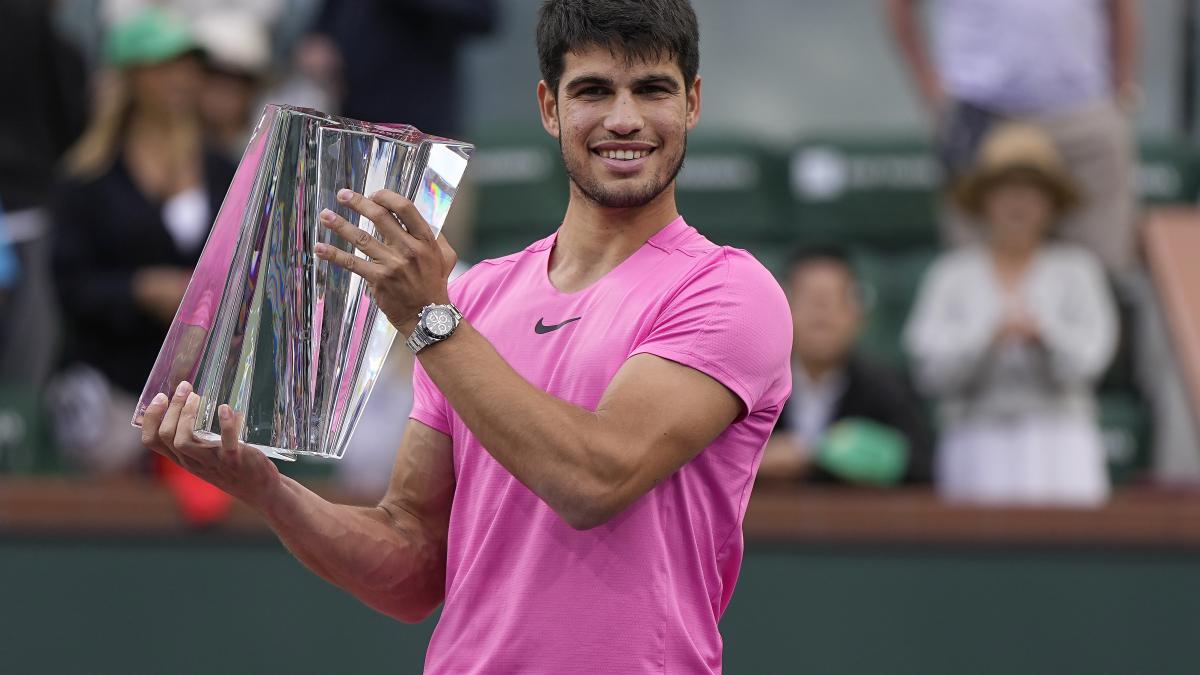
[(430, 407), (730, 321), (1080, 333)]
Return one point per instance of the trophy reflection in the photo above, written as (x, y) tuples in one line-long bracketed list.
[(294, 344)]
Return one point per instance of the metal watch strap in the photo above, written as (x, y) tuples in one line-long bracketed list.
[(420, 339)]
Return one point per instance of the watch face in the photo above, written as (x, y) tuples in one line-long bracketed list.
[(438, 322)]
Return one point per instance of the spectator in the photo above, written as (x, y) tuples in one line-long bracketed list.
[(425, 36), (1011, 334), (129, 221), (43, 114), (835, 388), (237, 48), (1067, 66)]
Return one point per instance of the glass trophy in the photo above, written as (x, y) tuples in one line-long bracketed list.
[(292, 343)]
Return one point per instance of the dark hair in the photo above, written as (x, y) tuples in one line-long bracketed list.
[(837, 255), (638, 29)]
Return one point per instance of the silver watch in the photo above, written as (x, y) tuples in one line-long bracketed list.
[(434, 324)]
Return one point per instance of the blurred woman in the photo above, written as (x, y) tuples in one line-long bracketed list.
[(130, 220), (1012, 334)]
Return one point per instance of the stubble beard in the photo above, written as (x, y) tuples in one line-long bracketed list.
[(597, 193)]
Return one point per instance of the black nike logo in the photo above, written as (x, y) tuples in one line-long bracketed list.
[(541, 328)]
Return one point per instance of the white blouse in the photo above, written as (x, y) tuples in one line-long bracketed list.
[(951, 336)]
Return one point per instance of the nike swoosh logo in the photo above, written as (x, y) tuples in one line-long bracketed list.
[(541, 328)]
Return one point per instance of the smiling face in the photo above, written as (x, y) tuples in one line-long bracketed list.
[(621, 124)]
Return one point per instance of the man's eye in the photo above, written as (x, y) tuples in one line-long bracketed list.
[(593, 91)]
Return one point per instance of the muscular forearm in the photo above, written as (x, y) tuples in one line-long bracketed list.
[(555, 448), (380, 554)]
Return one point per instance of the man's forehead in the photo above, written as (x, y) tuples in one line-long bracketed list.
[(616, 63)]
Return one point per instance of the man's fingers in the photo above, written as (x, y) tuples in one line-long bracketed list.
[(152, 419), (186, 442), (404, 209), (166, 430), (364, 268), (358, 237), (229, 435), (385, 221)]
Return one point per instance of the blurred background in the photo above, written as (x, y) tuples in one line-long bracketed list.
[(984, 213)]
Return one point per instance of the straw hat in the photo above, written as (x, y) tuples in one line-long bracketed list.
[(1015, 149)]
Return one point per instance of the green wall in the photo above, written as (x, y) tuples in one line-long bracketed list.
[(209, 605)]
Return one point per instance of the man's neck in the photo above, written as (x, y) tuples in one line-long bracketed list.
[(593, 239)]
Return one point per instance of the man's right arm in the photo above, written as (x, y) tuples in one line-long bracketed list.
[(905, 25), (392, 556)]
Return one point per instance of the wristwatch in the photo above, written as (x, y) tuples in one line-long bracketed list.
[(434, 324)]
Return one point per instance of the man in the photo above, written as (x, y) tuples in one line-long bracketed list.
[(832, 384), (1067, 66), (583, 441)]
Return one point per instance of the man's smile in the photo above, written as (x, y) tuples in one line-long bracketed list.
[(623, 156)]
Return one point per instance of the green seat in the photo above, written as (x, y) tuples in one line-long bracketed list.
[(890, 281), (1125, 425), (25, 440), (865, 191), (521, 186), (1168, 170), (734, 191)]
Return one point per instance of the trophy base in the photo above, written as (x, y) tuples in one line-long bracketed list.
[(272, 452)]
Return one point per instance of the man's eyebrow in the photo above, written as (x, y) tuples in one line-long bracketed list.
[(589, 80), (657, 78)]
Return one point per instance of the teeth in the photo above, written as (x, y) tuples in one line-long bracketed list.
[(624, 154)]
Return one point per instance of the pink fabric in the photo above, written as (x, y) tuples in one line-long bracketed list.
[(525, 593)]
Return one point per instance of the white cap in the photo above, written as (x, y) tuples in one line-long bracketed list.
[(234, 40)]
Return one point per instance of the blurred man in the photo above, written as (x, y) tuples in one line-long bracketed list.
[(589, 413), (1068, 66), (832, 384)]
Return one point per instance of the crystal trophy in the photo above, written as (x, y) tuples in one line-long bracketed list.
[(292, 343)]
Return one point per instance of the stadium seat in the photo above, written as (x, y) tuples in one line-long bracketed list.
[(1168, 171), (890, 281), (1125, 425), (735, 192), (522, 189), (25, 442), (864, 191)]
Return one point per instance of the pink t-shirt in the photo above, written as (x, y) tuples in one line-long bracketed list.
[(526, 593)]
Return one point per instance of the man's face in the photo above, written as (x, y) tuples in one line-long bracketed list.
[(826, 314), (622, 125)]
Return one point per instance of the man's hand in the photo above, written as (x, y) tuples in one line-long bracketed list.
[(235, 467), (407, 270)]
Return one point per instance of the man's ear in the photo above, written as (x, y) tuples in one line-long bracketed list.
[(548, 107), (693, 104)]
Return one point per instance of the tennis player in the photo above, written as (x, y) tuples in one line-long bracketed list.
[(589, 412)]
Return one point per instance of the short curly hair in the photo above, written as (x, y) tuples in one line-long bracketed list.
[(638, 29)]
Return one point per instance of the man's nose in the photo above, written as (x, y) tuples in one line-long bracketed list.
[(625, 118)]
